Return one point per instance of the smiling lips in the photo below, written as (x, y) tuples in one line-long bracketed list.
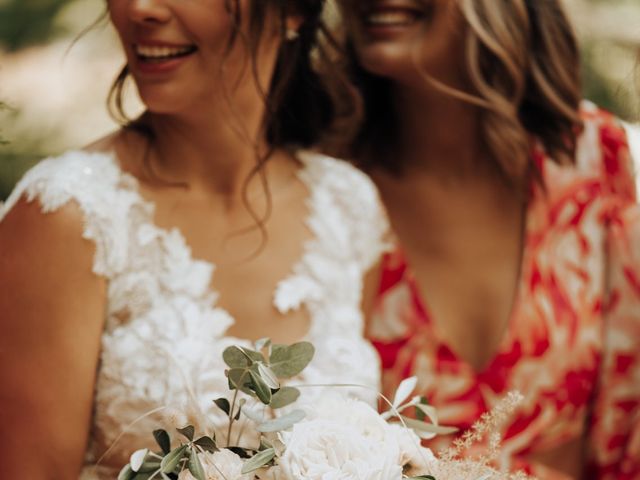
[(159, 53), (392, 14)]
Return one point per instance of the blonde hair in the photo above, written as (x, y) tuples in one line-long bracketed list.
[(523, 66)]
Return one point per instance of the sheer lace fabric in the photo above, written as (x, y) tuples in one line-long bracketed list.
[(163, 331)]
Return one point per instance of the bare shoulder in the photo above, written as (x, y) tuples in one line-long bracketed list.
[(52, 308)]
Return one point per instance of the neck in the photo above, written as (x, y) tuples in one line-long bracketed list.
[(213, 150), (441, 135)]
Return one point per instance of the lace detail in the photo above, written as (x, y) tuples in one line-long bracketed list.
[(164, 335)]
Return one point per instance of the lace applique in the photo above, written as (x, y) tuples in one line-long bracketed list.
[(164, 336)]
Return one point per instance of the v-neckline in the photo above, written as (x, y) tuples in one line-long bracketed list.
[(507, 335), (131, 183)]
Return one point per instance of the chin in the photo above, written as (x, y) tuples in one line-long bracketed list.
[(392, 61), (163, 99)]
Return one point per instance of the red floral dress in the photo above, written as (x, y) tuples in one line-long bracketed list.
[(572, 347)]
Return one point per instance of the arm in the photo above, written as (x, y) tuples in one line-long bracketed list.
[(51, 317)]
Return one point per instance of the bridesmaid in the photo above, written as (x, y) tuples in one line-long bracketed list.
[(505, 191)]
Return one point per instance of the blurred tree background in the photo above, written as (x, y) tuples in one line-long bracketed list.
[(53, 94)]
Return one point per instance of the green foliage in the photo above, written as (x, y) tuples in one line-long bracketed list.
[(256, 373), (25, 22)]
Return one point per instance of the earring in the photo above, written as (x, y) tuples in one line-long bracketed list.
[(291, 34)]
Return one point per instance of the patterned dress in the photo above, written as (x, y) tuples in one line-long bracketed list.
[(572, 347)]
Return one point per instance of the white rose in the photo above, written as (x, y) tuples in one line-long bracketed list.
[(342, 440), (221, 465), (414, 458)]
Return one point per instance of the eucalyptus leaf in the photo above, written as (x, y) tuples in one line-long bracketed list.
[(283, 397), (429, 412), (281, 423), (405, 388), (163, 440), (289, 361), (137, 459), (171, 461), (265, 444), (256, 417), (242, 452), (259, 460), (268, 376), (195, 467), (263, 392), (207, 443), (427, 430), (223, 404), (235, 358), (126, 473), (145, 475), (151, 465), (252, 355), (239, 378), (187, 431)]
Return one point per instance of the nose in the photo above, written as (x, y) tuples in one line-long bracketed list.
[(149, 12)]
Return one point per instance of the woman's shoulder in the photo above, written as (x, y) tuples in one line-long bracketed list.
[(342, 178), (346, 194), (602, 158), (84, 175), (603, 150)]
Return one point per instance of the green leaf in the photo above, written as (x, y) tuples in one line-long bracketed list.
[(252, 355), (163, 440), (281, 423), (265, 444), (126, 473), (171, 461), (195, 467), (239, 378), (223, 404), (405, 388), (145, 475), (207, 443), (235, 358), (149, 466), (268, 376), (427, 430), (137, 459), (262, 390), (289, 361), (258, 461), (187, 431), (283, 397), (242, 452)]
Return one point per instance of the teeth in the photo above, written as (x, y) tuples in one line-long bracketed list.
[(160, 52)]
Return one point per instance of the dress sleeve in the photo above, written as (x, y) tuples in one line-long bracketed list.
[(614, 436)]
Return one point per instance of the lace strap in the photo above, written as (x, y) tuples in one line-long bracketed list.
[(93, 181)]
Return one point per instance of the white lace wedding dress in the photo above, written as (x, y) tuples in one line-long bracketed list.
[(164, 335)]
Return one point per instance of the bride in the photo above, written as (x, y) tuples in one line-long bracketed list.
[(127, 267)]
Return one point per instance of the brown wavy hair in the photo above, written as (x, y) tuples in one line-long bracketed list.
[(523, 65), (298, 104)]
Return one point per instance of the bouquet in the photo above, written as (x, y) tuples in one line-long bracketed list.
[(335, 438)]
